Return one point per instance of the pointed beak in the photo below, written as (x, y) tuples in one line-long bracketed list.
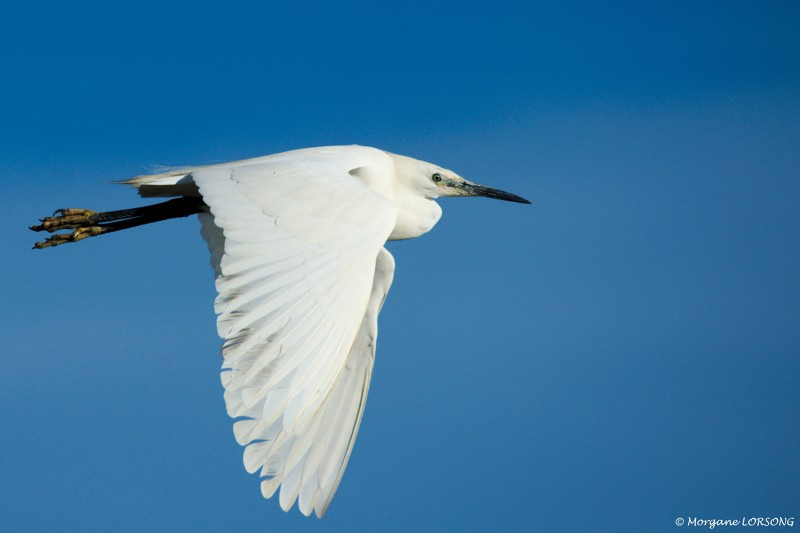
[(473, 189)]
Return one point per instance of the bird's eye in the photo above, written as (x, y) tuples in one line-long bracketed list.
[(436, 177)]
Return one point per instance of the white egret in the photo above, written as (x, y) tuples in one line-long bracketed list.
[(296, 242)]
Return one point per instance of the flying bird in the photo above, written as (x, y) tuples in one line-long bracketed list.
[(297, 246)]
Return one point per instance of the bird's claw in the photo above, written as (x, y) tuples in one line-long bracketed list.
[(70, 218), (73, 211), (76, 235), (79, 220)]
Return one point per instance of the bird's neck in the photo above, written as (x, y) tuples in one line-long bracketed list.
[(415, 216)]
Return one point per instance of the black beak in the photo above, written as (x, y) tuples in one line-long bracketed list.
[(472, 189)]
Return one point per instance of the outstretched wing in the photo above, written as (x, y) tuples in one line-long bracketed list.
[(301, 276)]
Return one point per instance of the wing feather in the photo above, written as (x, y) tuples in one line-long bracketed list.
[(297, 246)]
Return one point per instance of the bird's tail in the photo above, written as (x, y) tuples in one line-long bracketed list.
[(174, 182)]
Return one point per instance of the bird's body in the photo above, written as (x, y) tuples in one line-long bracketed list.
[(317, 171), (296, 242)]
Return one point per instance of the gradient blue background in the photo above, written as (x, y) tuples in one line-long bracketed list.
[(621, 353)]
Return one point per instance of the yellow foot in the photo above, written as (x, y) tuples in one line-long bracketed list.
[(76, 235), (66, 219), (82, 222)]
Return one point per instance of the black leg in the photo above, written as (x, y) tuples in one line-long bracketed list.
[(87, 223)]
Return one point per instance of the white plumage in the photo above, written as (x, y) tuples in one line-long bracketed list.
[(296, 242)]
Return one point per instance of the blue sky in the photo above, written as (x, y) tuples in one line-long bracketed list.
[(621, 353)]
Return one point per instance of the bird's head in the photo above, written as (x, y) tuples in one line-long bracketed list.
[(433, 181)]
